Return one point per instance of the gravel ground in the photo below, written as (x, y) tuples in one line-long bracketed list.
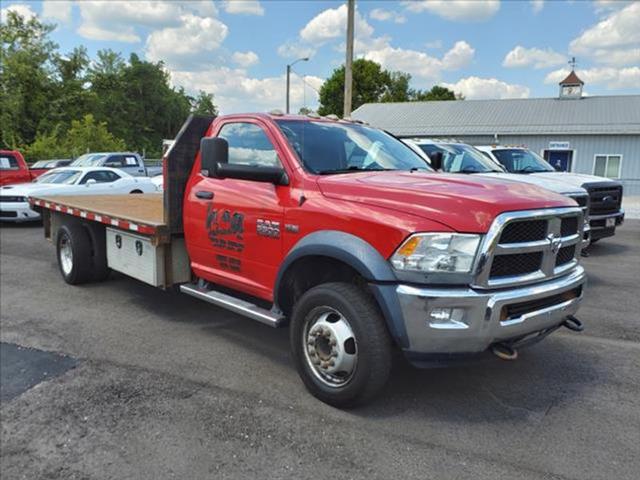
[(169, 387)]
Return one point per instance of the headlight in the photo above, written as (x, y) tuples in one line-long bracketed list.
[(437, 252)]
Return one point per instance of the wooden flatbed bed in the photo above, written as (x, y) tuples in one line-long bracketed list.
[(141, 213)]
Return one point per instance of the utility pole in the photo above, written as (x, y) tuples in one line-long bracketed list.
[(288, 81), (348, 65), (305, 59)]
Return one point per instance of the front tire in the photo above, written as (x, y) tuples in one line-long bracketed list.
[(73, 247), (340, 344)]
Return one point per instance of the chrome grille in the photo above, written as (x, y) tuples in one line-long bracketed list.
[(529, 246), (565, 255), (524, 231), (516, 264), (604, 198)]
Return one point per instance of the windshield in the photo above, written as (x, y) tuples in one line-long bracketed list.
[(88, 160), (521, 161), (459, 158), (67, 177), (332, 147)]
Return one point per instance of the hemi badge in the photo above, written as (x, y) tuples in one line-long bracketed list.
[(289, 227)]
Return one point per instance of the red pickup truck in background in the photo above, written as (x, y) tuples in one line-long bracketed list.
[(343, 233), (13, 168)]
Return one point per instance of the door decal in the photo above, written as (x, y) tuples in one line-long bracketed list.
[(225, 228)]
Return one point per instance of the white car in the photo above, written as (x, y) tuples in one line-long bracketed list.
[(14, 205), (158, 181), (605, 195), (457, 157)]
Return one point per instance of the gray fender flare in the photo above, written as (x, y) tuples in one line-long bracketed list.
[(363, 258)]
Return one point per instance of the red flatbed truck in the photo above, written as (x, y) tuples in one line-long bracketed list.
[(341, 232)]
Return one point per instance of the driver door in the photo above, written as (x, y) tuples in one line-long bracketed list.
[(242, 220)]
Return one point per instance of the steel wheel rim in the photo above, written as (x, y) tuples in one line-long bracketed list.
[(66, 255), (330, 347)]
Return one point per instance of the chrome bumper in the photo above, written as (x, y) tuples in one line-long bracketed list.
[(597, 221), (481, 324)]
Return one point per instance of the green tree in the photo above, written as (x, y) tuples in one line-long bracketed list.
[(203, 104), (70, 97), (26, 84), (81, 136), (370, 83), (87, 135), (436, 93), (155, 110), (373, 84)]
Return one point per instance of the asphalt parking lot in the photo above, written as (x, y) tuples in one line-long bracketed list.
[(160, 385)]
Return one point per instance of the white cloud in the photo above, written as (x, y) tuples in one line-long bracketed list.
[(295, 50), (435, 44), (245, 59), (419, 64), (611, 78), (236, 92), (456, 10), (59, 10), (615, 40), (332, 23), (116, 20), (243, 7), (481, 88), (536, 57), (537, 5), (383, 15), (185, 44), (21, 9)]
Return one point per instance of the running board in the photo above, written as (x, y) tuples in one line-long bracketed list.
[(234, 304)]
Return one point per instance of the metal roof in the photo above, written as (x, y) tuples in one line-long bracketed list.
[(608, 115)]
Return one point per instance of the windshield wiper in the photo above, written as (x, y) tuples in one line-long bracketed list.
[(354, 169), (529, 170)]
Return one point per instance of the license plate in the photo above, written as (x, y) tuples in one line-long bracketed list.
[(610, 222)]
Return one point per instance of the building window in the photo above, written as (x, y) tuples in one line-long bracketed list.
[(607, 166)]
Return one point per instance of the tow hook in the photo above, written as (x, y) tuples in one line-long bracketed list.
[(504, 351), (572, 323)]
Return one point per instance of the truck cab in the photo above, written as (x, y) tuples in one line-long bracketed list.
[(345, 235), (128, 162), (605, 195), (14, 169)]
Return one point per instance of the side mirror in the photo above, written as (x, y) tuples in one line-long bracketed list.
[(214, 162), (91, 181), (436, 160), (213, 152), (257, 173)]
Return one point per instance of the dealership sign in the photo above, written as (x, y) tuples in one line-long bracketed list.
[(559, 145)]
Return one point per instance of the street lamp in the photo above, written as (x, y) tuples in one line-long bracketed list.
[(304, 59)]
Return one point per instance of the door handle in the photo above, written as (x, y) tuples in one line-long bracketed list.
[(204, 194)]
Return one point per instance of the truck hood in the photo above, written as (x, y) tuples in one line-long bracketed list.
[(573, 179), (29, 189), (464, 203), (552, 184)]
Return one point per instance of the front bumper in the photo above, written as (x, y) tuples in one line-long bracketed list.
[(484, 323), (605, 225), (17, 212)]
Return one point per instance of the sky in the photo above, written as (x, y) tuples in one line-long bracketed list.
[(238, 50)]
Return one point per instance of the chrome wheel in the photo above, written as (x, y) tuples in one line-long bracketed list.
[(330, 347), (66, 255)]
